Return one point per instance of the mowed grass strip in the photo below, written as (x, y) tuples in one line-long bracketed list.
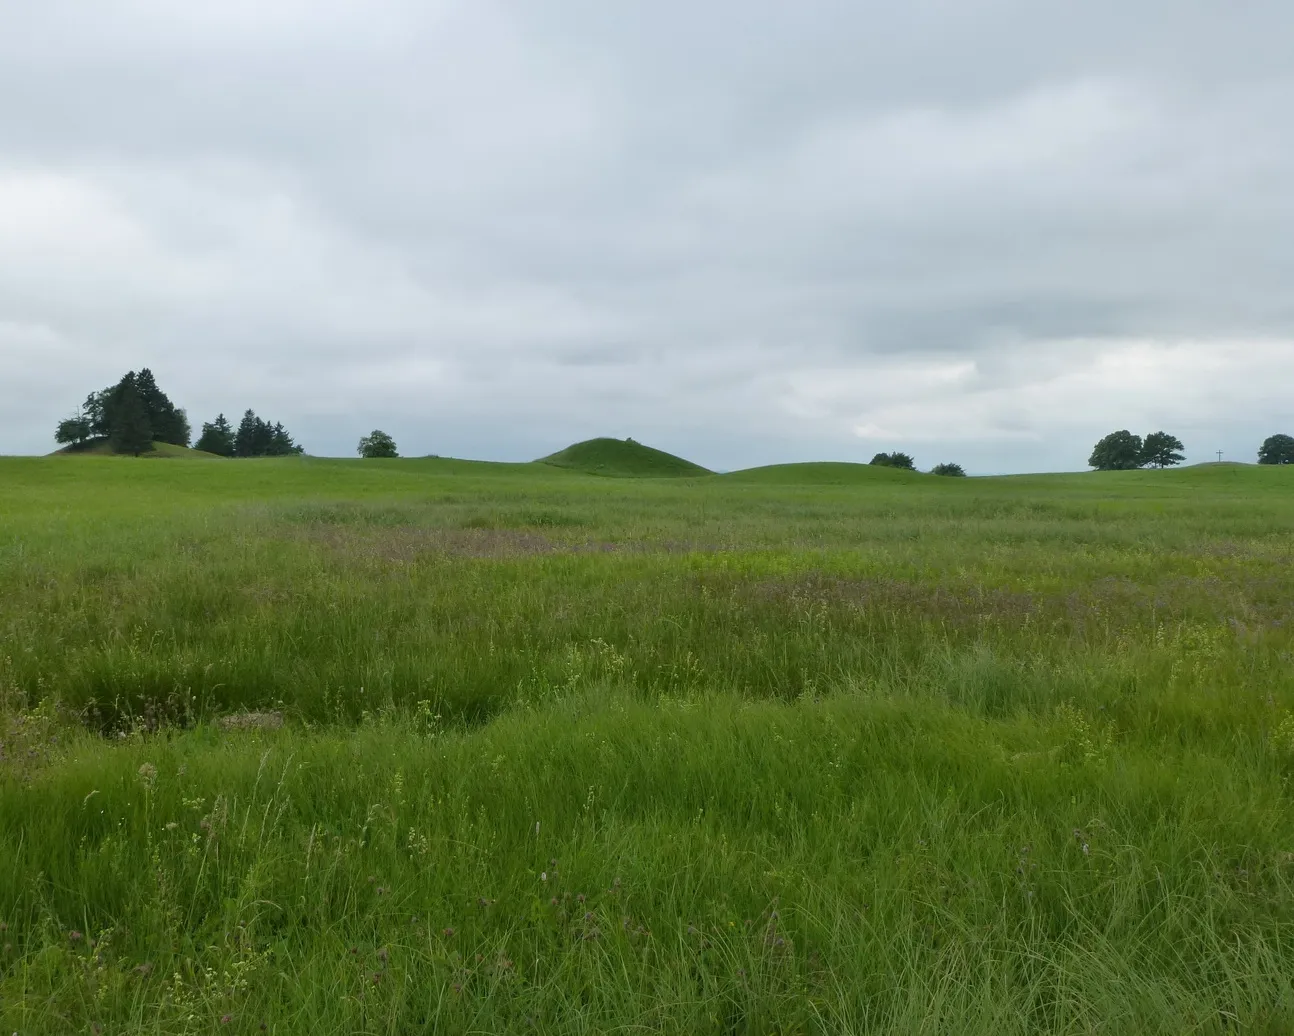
[(1000, 755)]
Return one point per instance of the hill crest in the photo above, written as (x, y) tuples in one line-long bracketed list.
[(623, 458), (100, 448), (822, 473)]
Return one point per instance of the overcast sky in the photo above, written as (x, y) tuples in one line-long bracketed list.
[(986, 231)]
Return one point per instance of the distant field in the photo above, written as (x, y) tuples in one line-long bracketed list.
[(808, 748)]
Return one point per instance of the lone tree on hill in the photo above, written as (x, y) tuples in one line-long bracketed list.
[(953, 470), (1118, 451), (377, 444), (894, 460), (1277, 449), (1162, 450)]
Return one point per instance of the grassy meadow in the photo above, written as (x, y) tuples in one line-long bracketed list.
[(802, 749)]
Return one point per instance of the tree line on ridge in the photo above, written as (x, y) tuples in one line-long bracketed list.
[(135, 413)]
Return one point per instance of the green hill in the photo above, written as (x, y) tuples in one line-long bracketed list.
[(822, 473), (100, 448), (622, 458)]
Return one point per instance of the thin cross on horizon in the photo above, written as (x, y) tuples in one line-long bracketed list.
[(1219, 456)]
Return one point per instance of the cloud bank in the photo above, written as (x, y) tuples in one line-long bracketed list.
[(987, 231)]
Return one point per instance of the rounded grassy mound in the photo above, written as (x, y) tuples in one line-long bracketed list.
[(822, 473), (100, 448), (623, 458)]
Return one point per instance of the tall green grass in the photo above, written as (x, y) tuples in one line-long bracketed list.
[(568, 754)]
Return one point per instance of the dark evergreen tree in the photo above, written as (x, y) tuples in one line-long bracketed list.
[(281, 444), (104, 405), (131, 432), (257, 438), (1118, 451), (1277, 449), (245, 437), (217, 437), (169, 423)]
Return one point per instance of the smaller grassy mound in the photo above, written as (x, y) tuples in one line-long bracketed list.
[(623, 458), (100, 448), (822, 473)]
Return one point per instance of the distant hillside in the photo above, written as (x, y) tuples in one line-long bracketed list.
[(623, 458), (100, 448), (822, 473)]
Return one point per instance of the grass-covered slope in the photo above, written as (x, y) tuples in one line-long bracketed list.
[(100, 448), (622, 457), (572, 755), (822, 473)]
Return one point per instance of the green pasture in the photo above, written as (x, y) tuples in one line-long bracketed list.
[(801, 749)]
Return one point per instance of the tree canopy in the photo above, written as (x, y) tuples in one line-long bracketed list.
[(377, 444), (131, 415), (253, 437), (131, 430), (1118, 451), (952, 470), (257, 438), (1123, 451), (134, 413), (1277, 449), (896, 459), (1162, 450), (166, 421), (217, 437), (73, 431)]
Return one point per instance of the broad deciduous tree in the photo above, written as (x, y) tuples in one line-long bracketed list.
[(73, 431), (1118, 451), (897, 459), (377, 444), (1277, 449), (1162, 450)]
